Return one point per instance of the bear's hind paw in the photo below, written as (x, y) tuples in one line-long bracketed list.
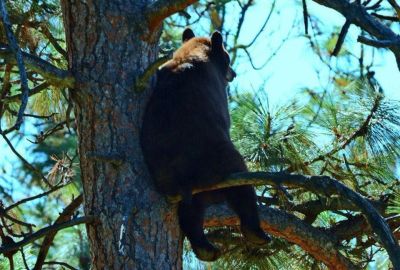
[(206, 252)]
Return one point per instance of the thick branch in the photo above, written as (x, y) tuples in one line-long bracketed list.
[(48, 240), (280, 224), (42, 232), (51, 73), (356, 14), (162, 9), (326, 186)]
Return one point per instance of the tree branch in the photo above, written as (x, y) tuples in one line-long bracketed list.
[(34, 91), (17, 55), (51, 73), (66, 265), (357, 14), (162, 9), (312, 209), (324, 185), (53, 189), (42, 232), (376, 43), (341, 37), (317, 243)]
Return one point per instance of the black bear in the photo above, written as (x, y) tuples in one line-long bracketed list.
[(186, 142)]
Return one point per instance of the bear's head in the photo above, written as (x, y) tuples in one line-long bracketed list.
[(203, 50)]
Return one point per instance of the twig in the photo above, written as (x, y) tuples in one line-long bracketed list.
[(236, 47), (43, 232), (305, 16), (24, 259), (55, 188), (44, 135), (20, 63), (395, 6), (17, 221), (46, 32), (385, 17), (34, 91), (341, 37), (30, 166), (374, 6), (357, 133), (376, 43)]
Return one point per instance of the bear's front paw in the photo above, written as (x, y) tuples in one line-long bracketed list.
[(255, 235), (206, 252)]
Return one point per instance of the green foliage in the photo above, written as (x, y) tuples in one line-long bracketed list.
[(269, 140), (394, 206), (349, 134)]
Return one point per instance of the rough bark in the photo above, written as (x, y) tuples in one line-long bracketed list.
[(106, 52)]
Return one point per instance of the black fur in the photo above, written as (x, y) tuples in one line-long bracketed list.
[(186, 143)]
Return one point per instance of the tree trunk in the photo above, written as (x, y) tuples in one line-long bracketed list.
[(107, 51)]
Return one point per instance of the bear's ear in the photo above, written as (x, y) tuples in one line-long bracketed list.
[(216, 41), (187, 34)]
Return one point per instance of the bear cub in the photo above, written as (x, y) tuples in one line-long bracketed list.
[(186, 142)]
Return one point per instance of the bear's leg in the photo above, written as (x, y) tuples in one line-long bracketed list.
[(243, 201), (191, 217)]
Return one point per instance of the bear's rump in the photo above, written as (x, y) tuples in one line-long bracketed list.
[(197, 168)]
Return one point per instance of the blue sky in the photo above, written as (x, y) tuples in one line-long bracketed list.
[(295, 64)]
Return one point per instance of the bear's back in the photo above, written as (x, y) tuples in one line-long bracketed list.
[(185, 132)]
